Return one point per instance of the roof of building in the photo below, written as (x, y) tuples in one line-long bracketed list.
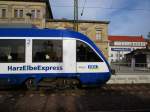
[(79, 21), (48, 7), (126, 38)]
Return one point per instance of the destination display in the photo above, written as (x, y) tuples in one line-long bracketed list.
[(120, 49)]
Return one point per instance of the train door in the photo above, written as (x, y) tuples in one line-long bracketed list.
[(69, 55)]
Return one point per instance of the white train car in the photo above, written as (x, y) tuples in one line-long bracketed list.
[(29, 55)]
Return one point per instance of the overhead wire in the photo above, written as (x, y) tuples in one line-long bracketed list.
[(83, 8)]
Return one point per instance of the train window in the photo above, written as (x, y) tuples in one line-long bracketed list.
[(12, 50), (85, 53), (47, 51)]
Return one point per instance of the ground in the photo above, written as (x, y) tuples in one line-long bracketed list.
[(135, 98)]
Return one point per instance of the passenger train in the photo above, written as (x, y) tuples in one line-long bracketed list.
[(30, 55)]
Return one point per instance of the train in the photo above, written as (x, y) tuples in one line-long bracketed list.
[(30, 56)]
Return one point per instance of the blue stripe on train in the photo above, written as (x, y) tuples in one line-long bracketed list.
[(85, 78)]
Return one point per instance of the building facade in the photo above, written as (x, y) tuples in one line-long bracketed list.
[(121, 45), (97, 31), (25, 12)]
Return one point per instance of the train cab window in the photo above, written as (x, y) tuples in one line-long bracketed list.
[(85, 53), (12, 50), (47, 51)]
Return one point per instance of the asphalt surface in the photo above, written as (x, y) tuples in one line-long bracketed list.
[(116, 98)]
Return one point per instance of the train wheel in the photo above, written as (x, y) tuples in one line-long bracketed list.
[(31, 84)]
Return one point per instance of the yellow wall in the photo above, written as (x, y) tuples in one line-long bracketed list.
[(10, 6)]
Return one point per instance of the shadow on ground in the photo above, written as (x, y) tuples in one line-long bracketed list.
[(106, 98)]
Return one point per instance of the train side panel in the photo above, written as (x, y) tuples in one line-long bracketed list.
[(80, 58)]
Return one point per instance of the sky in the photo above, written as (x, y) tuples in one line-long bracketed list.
[(127, 17)]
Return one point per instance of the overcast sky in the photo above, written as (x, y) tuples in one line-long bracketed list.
[(127, 17)]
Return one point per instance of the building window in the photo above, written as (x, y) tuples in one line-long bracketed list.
[(141, 44), (15, 13), (21, 14), (136, 44), (132, 44), (98, 34), (18, 13), (12, 50), (32, 14), (111, 43), (3, 13), (38, 13), (47, 51), (35, 14), (85, 53)]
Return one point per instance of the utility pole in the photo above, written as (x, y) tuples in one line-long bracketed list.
[(76, 15)]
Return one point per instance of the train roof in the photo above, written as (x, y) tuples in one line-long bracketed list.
[(35, 32)]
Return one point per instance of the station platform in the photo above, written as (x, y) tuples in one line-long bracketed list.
[(130, 78)]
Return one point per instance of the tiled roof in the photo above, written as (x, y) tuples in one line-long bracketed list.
[(126, 38)]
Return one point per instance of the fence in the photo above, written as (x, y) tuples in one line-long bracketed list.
[(130, 68)]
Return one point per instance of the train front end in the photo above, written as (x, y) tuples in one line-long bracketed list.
[(92, 66)]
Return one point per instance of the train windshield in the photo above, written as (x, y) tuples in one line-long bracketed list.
[(84, 53)]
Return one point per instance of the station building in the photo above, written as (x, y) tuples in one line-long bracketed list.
[(121, 45), (39, 14), (25, 12)]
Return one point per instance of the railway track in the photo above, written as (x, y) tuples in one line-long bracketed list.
[(108, 98)]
